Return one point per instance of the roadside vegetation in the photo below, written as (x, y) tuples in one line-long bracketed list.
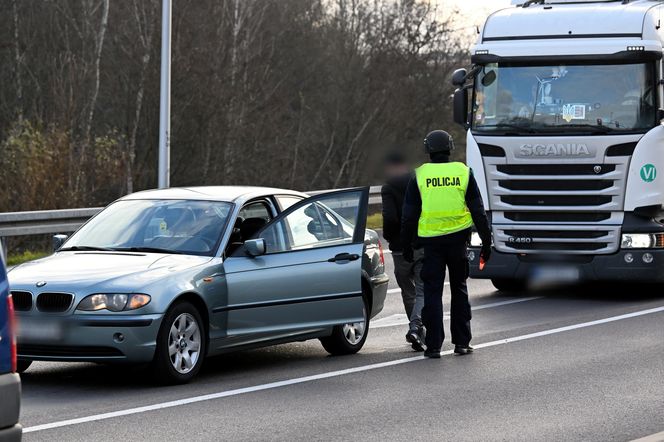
[(20, 258), (303, 94), (375, 221)]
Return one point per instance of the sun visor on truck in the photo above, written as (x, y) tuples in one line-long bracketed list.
[(631, 56)]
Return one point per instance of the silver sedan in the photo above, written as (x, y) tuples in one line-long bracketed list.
[(167, 277)]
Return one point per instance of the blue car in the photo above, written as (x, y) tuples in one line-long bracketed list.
[(10, 384)]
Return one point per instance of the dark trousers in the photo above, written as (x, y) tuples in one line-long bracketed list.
[(436, 258)]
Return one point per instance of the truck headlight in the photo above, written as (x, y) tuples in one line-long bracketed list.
[(642, 241), (475, 240), (114, 302)]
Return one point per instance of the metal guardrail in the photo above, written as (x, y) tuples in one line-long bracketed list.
[(68, 220)]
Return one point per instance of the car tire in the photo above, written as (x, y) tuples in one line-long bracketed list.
[(508, 285), (181, 345), (344, 339), (22, 365)]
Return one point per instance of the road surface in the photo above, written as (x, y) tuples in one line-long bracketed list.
[(573, 364)]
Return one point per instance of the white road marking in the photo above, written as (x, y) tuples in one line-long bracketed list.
[(402, 319), (659, 437), (317, 377)]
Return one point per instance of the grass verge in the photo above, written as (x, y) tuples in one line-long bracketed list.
[(20, 258)]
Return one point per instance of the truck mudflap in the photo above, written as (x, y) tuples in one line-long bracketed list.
[(633, 265)]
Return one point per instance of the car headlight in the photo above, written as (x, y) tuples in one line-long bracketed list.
[(642, 241), (475, 240), (114, 302)]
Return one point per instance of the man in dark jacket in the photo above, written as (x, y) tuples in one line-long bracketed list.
[(407, 274), (441, 205)]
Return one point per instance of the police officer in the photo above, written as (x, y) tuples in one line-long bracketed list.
[(442, 203)]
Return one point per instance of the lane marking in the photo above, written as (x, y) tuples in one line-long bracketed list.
[(659, 437), (402, 319), (317, 377)]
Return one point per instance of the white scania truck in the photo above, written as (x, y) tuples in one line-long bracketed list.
[(566, 142)]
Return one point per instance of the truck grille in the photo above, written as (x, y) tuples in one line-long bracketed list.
[(569, 206), (54, 302), (557, 217), (22, 300), (565, 239)]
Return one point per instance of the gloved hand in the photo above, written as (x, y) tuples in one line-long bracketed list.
[(408, 254), (486, 252)]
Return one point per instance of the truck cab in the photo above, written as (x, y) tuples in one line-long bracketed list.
[(10, 384), (562, 104)]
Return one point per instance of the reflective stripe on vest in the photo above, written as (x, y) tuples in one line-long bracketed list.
[(443, 191)]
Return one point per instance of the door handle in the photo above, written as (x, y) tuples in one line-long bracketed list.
[(344, 257)]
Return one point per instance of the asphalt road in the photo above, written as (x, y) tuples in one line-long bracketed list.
[(583, 363)]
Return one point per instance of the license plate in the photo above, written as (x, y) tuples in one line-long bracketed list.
[(563, 274), (39, 330)]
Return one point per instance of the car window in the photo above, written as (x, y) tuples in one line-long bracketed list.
[(176, 226), (314, 225), (258, 209), (286, 201)]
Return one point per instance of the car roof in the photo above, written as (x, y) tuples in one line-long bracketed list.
[(236, 194)]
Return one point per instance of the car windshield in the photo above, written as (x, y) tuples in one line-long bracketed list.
[(596, 99), (164, 226)]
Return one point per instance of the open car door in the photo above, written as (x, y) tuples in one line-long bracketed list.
[(302, 272)]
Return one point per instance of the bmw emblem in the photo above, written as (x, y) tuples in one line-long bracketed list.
[(598, 169), (41, 284)]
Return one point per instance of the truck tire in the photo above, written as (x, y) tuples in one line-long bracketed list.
[(348, 339), (508, 285)]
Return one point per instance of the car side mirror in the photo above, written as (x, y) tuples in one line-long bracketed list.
[(255, 247), (660, 115), (461, 107), (459, 77), (58, 241)]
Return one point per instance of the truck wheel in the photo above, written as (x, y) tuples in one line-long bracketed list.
[(348, 339), (508, 285), (181, 345), (22, 365)]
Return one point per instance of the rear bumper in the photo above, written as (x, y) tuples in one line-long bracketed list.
[(379, 291), (97, 338), (10, 392), (590, 268)]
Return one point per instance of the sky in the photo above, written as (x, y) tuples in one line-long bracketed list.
[(473, 12)]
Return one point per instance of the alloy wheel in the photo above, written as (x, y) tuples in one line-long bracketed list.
[(354, 331), (184, 343)]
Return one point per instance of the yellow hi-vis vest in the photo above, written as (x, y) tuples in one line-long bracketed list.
[(443, 191)]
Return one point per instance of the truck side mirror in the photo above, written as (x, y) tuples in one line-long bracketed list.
[(58, 241), (660, 115), (459, 77), (461, 107)]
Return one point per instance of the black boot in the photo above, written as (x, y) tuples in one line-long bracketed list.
[(432, 354), (413, 337), (461, 350)]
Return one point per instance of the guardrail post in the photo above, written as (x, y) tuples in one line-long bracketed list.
[(3, 243)]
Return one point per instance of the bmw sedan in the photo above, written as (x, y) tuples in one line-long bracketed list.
[(168, 277)]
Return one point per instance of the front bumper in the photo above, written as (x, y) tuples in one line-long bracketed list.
[(95, 338), (590, 267), (10, 392)]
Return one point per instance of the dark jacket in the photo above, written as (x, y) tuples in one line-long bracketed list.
[(393, 193), (413, 208)]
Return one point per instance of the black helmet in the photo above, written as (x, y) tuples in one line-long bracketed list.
[(439, 141)]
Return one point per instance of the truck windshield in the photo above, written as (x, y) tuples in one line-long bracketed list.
[(559, 99)]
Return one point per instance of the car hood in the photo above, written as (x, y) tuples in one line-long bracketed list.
[(74, 271)]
